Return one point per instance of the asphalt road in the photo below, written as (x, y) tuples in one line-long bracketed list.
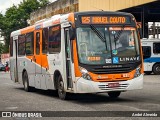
[(14, 98)]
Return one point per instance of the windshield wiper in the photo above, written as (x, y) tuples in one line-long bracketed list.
[(118, 35), (97, 33)]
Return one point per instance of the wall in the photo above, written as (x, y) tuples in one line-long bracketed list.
[(57, 7), (109, 5), (66, 6)]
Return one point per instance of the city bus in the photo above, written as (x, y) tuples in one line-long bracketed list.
[(151, 55), (81, 52)]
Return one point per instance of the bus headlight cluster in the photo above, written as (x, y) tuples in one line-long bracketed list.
[(85, 74), (138, 72)]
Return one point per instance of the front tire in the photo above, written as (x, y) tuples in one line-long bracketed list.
[(61, 92), (114, 94), (156, 69), (27, 88)]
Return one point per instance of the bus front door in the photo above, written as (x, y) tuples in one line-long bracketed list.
[(15, 60), (68, 59)]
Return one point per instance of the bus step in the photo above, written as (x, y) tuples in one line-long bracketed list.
[(70, 89)]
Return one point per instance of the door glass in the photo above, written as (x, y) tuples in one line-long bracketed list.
[(37, 43), (68, 60)]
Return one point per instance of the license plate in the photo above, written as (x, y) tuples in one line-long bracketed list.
[(112, 85)]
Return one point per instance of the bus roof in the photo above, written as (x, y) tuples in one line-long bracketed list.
[(150, 40), (56, 19)]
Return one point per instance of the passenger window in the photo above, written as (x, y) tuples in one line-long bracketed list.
[(156, 48), (21, 45), (29, 44), (37, 43), (11, 47), (146, 52), (54, 39)]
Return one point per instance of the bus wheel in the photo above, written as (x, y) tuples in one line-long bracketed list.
[(147, 72), (61, 92), (156, 69), (114, 94), (26, 82)]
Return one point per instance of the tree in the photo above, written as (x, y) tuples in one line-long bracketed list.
[(16, 17), (1, 48)]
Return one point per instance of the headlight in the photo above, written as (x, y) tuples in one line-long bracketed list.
[(138, 72), (85, 74)]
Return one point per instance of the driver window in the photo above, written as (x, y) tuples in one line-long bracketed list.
[(83, 43)]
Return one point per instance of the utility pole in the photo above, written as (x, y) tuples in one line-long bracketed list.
[(157, 31), (154, 30)]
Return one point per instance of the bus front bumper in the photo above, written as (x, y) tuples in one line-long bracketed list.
[(86, 86)]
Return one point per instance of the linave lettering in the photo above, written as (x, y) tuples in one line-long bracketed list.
[(128, 59)]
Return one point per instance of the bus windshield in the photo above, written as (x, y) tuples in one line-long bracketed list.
[(107, 45)]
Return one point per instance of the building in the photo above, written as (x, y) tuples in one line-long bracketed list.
[(144, 10)]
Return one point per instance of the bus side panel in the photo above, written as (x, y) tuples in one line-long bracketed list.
[(148, 66), (28, 65), (12, 68), (20, 63), (55, 62), (44, 68), (50, 72)]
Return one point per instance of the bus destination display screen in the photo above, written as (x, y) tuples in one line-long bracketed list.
[(105, 20)]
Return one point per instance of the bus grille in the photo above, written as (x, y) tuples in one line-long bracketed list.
[(111, 70), (120, 87)]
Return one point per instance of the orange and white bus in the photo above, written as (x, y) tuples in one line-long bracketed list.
[(82, 52)]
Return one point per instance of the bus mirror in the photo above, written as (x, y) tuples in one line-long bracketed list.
[(139, 26), (72, 33), (140, 32)]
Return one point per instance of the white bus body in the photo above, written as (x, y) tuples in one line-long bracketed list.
[(45, 55), (151, 55)]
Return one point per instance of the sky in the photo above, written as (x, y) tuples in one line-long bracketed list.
[(4, 4)]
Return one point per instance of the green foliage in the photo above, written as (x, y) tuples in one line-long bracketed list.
[(1, 48), (16, 17)]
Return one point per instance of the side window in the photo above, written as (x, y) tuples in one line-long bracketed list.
[(21, 45), (156, 48), (37, 43), (54, 39), (45, 40), (146, 51), (11, 47), (29, 44)]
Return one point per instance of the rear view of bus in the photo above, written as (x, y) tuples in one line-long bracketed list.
[(109, 53)]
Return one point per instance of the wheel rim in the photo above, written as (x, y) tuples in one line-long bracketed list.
[(158, 68), (25, 82), (61, 91), (61, 88), (25, 85)]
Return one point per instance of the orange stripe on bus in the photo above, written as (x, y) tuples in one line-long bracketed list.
[(112, 77), (71, 19), (41, 60), (44, 61), (27, 30), (75, 58)]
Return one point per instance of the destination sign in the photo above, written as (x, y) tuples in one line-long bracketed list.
[(105, 20)]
